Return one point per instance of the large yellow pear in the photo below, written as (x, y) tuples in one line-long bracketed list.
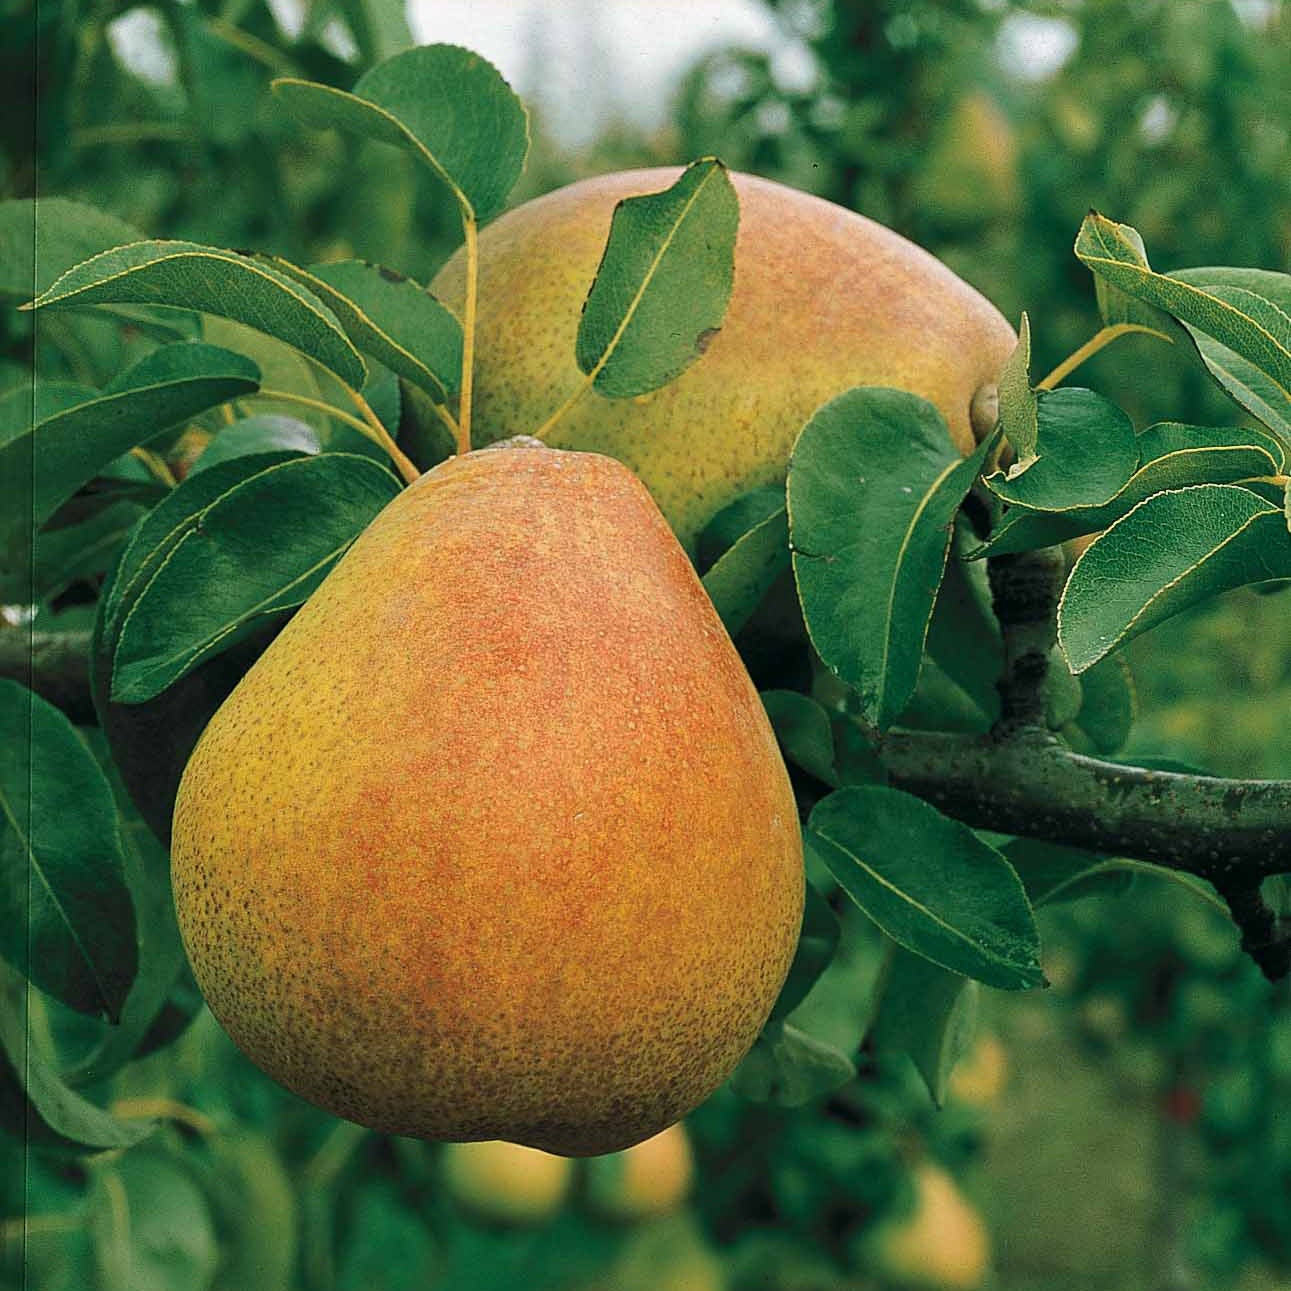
[(495, 840), (824, 300)]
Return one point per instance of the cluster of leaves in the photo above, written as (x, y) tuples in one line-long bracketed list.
[(875, 485), (873, 534)]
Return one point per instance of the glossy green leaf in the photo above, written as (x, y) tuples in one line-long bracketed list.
[(213, 281), (1170, 552), (1019, 406), (171, 520), (1266, 295), (43, 467), (34, 249), (790, 1068), (929, 1013), (930, 883), (1211, 302), (874, 486), (1119, 309), (1173, 456), (817, 942), (66, 918), (663, 284), (37, 1108), (262, 548), (805, 733), (743, 574), (266, 433), (392, 319), (1085, 449), (446, 104)]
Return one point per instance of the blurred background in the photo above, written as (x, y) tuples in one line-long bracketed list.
[(1128, 1130)]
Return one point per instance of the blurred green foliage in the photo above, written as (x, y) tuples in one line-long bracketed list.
[(1168, 114)]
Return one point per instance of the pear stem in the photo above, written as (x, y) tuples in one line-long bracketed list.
[(1100, 340), (407, 467), (370, 427), (130, 1109), (471, 230), (157, 467)]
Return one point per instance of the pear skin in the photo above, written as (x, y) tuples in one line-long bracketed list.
[(495, 840), (824, 300)]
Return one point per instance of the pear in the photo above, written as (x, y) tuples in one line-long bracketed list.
[(823, 300), (504, 1183), (652, 1178), (495, 841), (942, 1245)]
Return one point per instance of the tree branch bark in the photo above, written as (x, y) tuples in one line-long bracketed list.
[(1231, 832)]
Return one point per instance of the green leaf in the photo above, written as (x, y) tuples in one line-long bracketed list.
[(261, 548), (805, 733), (380, 28), (1173, 456), (1215, 303), (161, 952), (744, 573), (790, 1068), (66, 918), (151, 1225), (964, 634), (1265, 294), (929, 1013), (1085, 450), (1108, 704), (256, 1214), (1120, 310), (266, 433), (392, 319), (1170, 552), (170, 521), (664, 281), (43, 467), (37, 1108), (212, 281), (1019, 406), (76, 551), (874, 486), (151, 742), (930, 883), (1052, 873), (817, 942), (34, 249), (734, 520), (446, 104)]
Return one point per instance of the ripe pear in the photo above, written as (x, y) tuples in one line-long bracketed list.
[(495, 841), (942, 1245), (823, 300), (649, 1179), (506, 1183)]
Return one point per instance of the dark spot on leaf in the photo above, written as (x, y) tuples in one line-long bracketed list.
[(705, 339), (242, 251), (391, 275)]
